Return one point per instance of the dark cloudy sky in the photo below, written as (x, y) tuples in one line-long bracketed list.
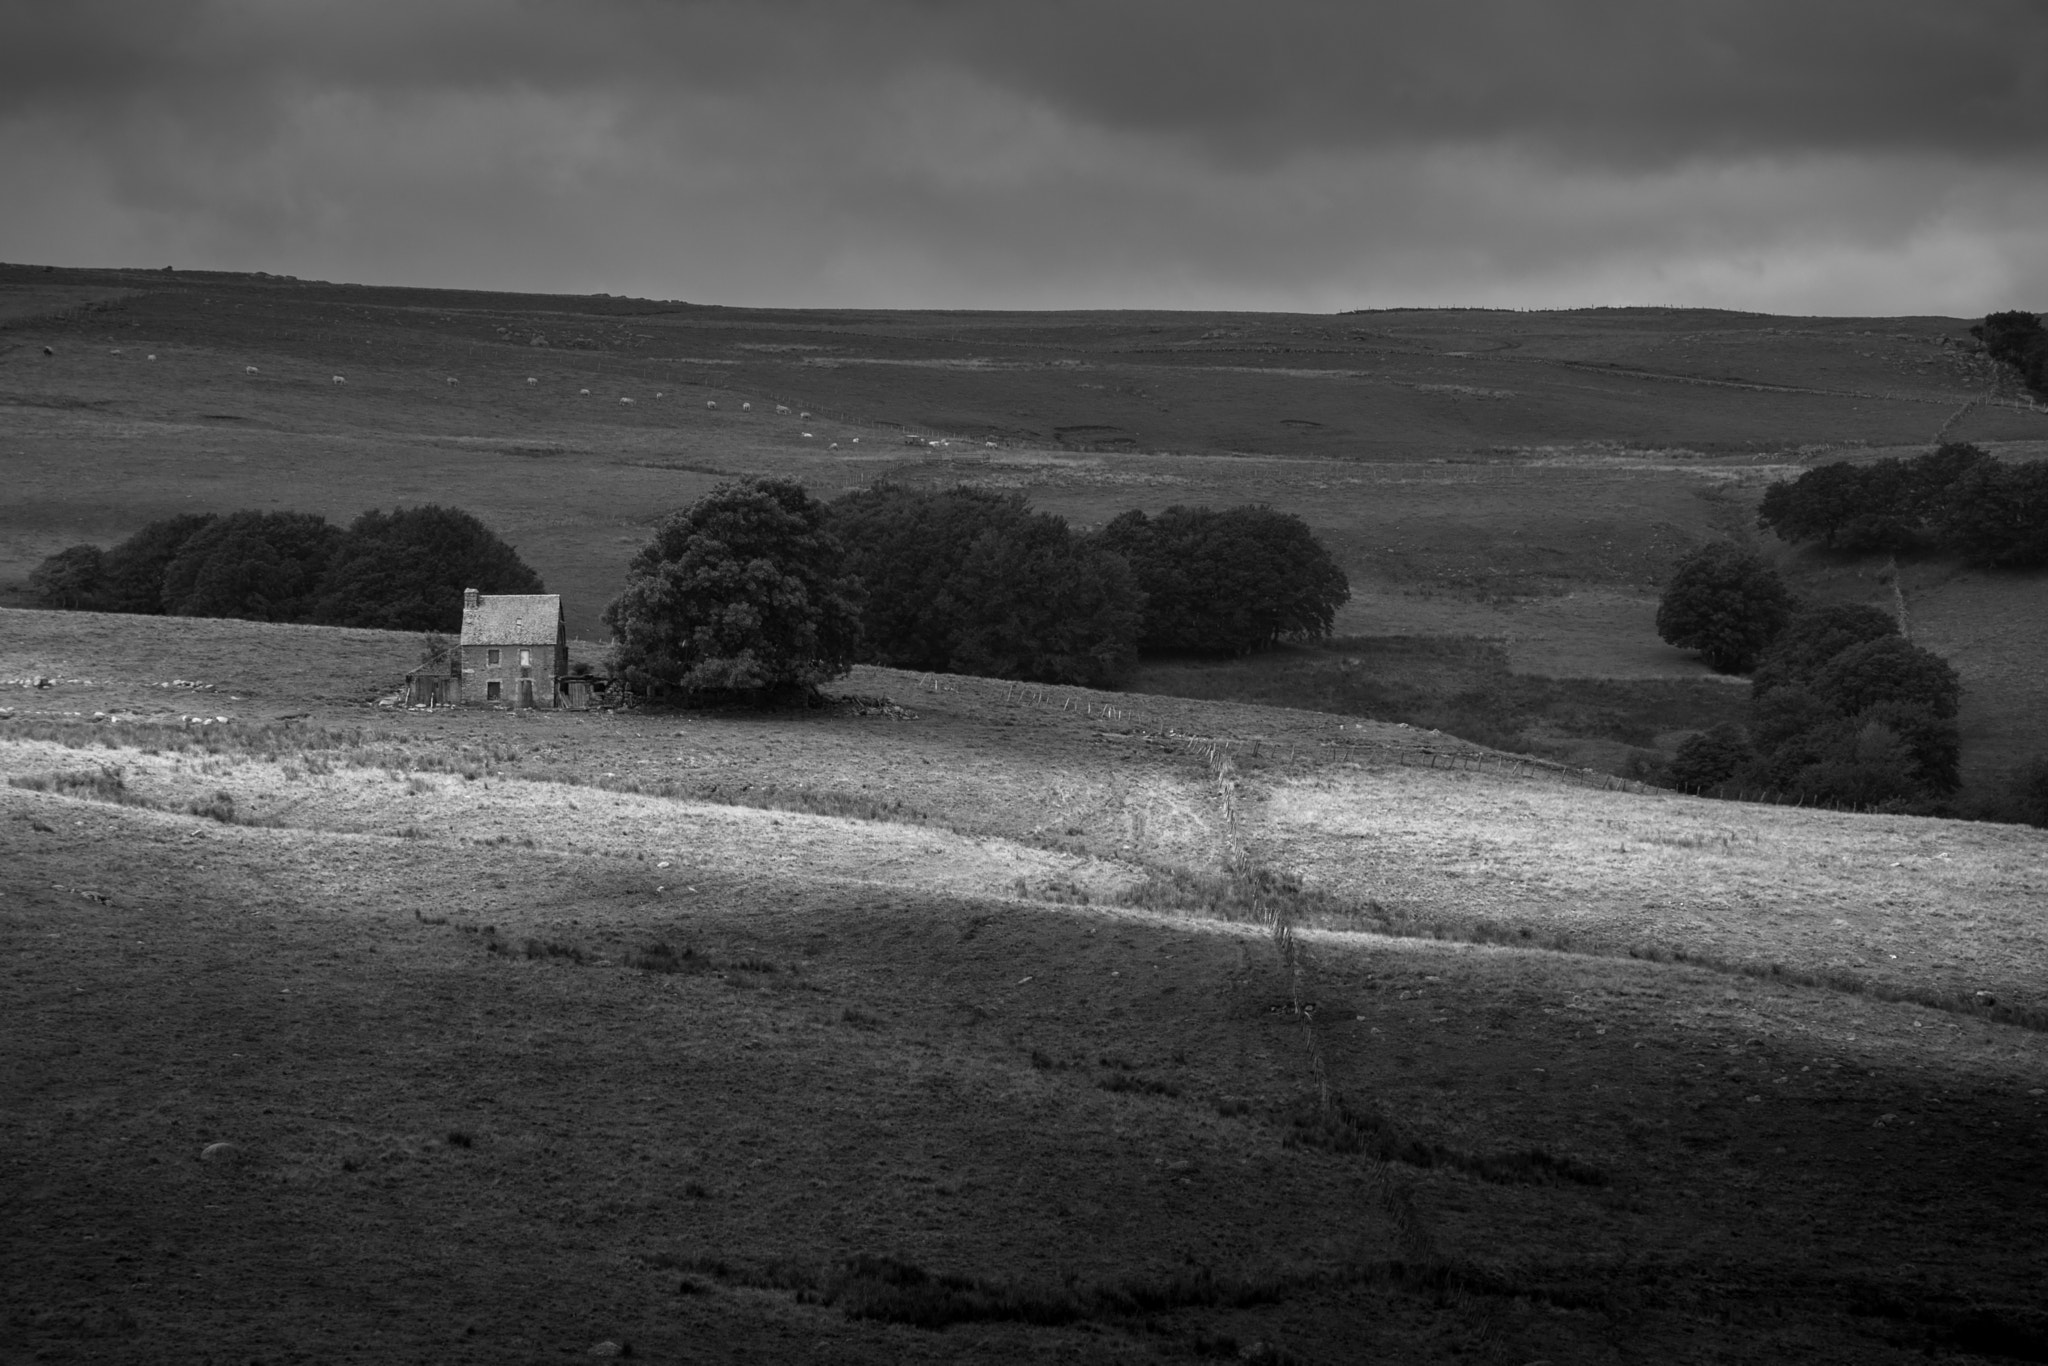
[(1791, 156)]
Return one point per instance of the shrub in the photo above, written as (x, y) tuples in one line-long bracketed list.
[(405, 570), (261, 566), (1725, 603), (741, 594), (1228, 582)]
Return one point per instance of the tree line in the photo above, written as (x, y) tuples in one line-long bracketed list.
[(759, 588), (1843, 709), (402, 570), (1954, 500)]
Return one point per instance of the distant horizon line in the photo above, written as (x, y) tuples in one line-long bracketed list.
[(48, 268)]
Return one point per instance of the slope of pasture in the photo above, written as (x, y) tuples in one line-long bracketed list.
[(1062, 788), (467, 1126)]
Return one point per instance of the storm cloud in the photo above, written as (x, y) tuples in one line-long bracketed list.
[(1874, 157)]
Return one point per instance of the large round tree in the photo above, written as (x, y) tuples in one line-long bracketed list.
[(1726, 603), (405, 570), (742, 594)]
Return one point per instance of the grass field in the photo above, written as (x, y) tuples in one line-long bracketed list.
[(943, 1024), (1487, 479)]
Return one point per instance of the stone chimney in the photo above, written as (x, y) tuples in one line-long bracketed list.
[(468, 599)]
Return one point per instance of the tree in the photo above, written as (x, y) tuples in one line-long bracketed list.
[(741, 594), (1996, 515), (972, 581), (1813, 637), (1048, 606), (1725, 603), (262, 566), (1710, 758), (1228, 582), (135, 568), (71, 580), (405, 570), (1888, 670), (907, 547), (2017, 339)]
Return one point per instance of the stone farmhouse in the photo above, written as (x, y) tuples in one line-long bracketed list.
[(514, 652), (514, 649)]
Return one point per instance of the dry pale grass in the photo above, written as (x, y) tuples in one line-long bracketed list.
[(1946, 906), (692, 836)]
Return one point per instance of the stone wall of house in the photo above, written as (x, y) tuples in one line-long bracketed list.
[(478, 673)]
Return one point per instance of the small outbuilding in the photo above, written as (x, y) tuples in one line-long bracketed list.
[(514, 649)]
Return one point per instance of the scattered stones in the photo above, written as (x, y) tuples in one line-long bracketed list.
[(221, 1154)]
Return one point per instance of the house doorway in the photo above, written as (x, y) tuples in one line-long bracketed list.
[(526, 692)]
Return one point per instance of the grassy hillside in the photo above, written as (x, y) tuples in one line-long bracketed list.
[(1511, 485), (933, 1026)]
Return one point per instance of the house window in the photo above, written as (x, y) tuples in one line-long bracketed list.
[(526, 659), (490, 656), (494, 690)]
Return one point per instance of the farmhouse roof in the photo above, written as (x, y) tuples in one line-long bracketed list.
[(512, 619)]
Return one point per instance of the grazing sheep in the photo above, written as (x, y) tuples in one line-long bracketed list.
[(807, 436), (531, 380), (803, 417), (582, 391), (746, 407), (711, 403), (338, 379), (451, 379), (833, 447), (250, 370), (658, 393), (48, 352), (782, 408), (856, 441), (625, 400)]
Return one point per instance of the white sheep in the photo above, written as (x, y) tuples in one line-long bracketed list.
[(658, 393), (746, 407), (451, 379), (625, 400), (807, 436), (249, 370), (582, 391), (782, 408), (833, 447), (338, 379), (531, 380), (803, 417), (711, 403)]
